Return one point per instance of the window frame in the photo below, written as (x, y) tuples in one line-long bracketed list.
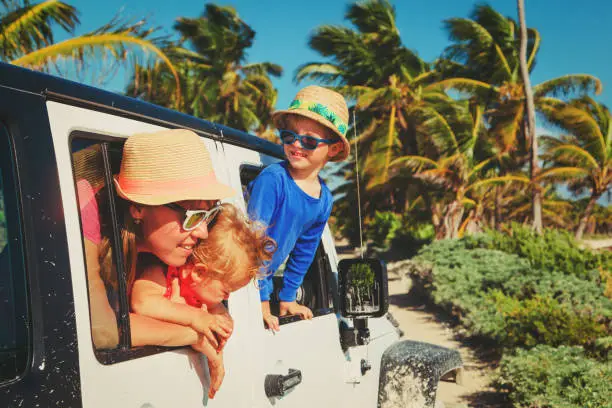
[(319, 272), (124, 350), (19, 279)]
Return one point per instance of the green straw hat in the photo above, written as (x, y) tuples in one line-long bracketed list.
[(324, 106)]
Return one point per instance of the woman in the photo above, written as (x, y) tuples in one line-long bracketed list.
[(157, 169)]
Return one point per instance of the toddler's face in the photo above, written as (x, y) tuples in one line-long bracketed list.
[(211, 291)]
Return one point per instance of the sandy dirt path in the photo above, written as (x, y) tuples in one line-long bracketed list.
[(420, 324)]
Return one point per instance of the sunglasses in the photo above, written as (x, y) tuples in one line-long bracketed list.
[(307, 142), (195, 218)]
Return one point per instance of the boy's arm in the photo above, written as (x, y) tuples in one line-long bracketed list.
[(148, 300), (300, 260), (265, 194)]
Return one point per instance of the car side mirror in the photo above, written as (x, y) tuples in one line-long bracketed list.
[(363, 288)]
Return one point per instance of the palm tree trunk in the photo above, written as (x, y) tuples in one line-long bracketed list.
[(497, 218), (585, 217), (390, 136), (531, 126), (452, 219)]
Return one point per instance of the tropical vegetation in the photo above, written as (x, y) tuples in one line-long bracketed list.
[(448, 141), (464, 155), (442, 149), (539, 302), (216, 82), (27, 39)]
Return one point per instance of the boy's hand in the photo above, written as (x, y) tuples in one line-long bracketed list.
[(268, 317), (207, 324), (292, 308)]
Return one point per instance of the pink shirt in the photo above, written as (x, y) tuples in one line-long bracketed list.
[(90, 214)]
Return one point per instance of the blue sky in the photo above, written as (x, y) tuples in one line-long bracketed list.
[(575, 35)]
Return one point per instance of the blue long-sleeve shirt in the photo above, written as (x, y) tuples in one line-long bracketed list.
[(295, 221)]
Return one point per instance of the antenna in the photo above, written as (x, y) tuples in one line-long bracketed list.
[(358, 189)]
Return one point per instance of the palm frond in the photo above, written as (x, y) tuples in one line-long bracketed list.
[(415, 162), (114, 41), (563, 174), (568, 85), (262, 68), (569, 154), (29, 27), (462, 84), (497, 181), (535, 47)]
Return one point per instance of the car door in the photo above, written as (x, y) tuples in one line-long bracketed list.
[(123, 375), (310, 346)]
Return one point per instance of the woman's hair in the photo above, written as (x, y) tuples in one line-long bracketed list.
[(129, 232), (88, 164), (236, 248)]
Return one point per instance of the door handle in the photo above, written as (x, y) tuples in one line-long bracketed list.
[(278, 385)]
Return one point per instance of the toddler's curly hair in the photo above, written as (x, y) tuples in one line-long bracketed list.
[(236, 247)]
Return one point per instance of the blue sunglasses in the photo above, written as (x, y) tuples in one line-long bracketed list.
[(308, 142)]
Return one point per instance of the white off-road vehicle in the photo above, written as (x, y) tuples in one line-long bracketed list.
[(348, 355)]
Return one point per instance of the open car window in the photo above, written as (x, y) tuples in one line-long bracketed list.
[(95, 159), (315, 292)]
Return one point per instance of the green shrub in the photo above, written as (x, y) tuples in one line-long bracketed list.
[(411, 237), (511, 322), (555, 377), (554, 250), (460, 278), (381, 229), (602, 346), (498, 295)]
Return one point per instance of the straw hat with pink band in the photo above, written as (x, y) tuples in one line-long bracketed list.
[(168, 166), (324, 106)]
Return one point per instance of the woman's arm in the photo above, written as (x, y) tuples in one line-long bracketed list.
[(147, 331), (103, 320), (148, 300)]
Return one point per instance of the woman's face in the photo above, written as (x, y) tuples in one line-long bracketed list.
[(163, 234)]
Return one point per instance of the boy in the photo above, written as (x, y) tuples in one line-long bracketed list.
[(291, 199)]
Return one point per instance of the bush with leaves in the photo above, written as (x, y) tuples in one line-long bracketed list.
[(381, 229), (500, 296), (513, 322), (412, 236), (545, 377), (460, 278), (554, 250)]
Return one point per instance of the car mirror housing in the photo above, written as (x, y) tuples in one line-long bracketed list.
[(363, 288)]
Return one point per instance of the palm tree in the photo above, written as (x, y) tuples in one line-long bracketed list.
[(583, 157), (216, 82), (27, 39), (530, 124), (486, 50), (455, 168), (397, 101)]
